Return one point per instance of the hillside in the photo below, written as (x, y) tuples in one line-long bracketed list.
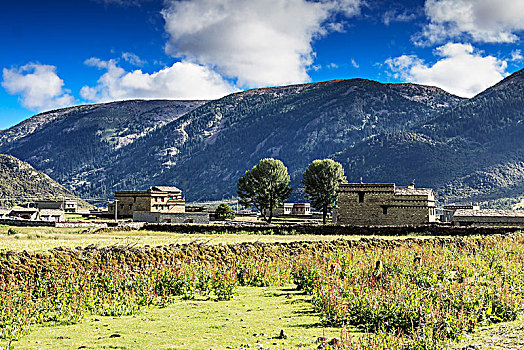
[(20, 183), (71, 142), (473, 151)]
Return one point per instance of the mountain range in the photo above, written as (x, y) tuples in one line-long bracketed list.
[(466, 149)]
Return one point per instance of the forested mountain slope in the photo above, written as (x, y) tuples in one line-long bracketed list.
[(473, 151), (467, 149)]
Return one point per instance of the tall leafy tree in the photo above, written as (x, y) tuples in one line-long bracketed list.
[(264, 187), (321, 180)]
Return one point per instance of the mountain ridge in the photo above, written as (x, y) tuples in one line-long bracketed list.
[(205, 146)]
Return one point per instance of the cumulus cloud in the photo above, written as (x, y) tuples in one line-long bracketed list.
[(183, 80), (460, 70), (491, 21), (38, 86), (255, 42)]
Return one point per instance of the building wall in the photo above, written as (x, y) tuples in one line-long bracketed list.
[(132, 201), (488, 221), (378, 204), (200, 218)]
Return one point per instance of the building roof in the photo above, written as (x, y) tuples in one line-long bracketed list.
[(166, 188), (410, 191), (488, 213), (24, 210)]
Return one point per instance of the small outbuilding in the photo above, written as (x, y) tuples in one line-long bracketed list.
[(54, 215), (488, 217)]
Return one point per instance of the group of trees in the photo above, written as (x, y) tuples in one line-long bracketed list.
[(266, 186)]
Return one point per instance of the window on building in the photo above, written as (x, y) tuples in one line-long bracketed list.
[(384, 210), (361, 197)]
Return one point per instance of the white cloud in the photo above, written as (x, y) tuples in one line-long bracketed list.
[(493, 21), (256, 42), (182, 80), (133, 59), (461, 70), (397, 16), (354, 63), (38, 85), (516, 55)]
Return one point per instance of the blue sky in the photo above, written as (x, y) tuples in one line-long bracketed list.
[(63, 53)]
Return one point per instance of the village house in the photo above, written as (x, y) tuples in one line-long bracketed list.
[(55, 215), (24, 213), (384, 204), (157, 199), (292, 209), (488, 217), (66, 204), (449, 210)]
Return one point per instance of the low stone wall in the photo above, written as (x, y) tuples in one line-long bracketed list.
[(80, 224), (21, 222), (189, 217), (434, 230), (28, 265)]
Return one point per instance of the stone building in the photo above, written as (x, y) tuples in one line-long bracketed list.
[(488, 217), (449, 210), (384, 204), (157, 199), (55, 215), (66, 204), (291, 209)]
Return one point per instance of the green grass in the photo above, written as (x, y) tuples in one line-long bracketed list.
[(503, 336), (253, 318), (47, 238)]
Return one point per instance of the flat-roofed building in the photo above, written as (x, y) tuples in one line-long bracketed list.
[(384, 204), (55, 215), (67, 205), (157, 199), (488, 217), (299, 209), (449, 210)]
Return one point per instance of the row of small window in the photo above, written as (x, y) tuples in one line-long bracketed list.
[(161, 199)]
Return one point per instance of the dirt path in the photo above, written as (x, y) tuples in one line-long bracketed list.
[(503, 336)]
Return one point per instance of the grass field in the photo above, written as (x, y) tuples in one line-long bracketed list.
[(253, 319), (47, 238), (465, 294)]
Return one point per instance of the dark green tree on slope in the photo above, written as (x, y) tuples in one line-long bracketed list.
[(321, 180), (264, 187)]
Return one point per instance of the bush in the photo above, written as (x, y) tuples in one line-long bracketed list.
[(224, 212)]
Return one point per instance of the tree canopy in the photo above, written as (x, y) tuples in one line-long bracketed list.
[(264, 187), (224, 212), (321, 180)]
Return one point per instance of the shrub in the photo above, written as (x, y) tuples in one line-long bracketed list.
[(224, 212)]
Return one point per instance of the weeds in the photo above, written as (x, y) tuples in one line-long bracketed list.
[(404, 296)]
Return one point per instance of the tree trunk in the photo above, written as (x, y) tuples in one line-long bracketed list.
[(324, 215)]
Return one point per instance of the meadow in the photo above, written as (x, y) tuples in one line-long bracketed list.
[(375, 294)]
